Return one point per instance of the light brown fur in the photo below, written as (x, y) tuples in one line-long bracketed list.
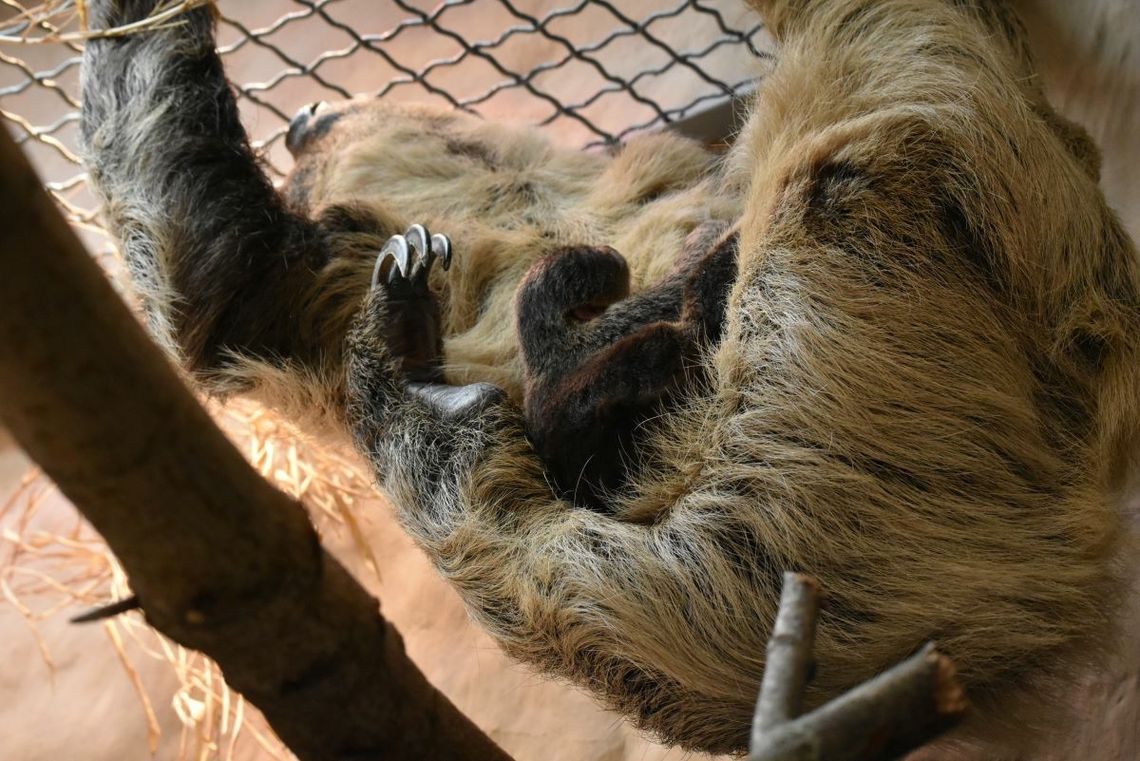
[(925, 395), (938, 439)]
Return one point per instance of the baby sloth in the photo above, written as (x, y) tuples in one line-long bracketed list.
[(598, 362)]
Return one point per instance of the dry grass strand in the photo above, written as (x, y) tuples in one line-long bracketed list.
[(53, 16), (48, 573)]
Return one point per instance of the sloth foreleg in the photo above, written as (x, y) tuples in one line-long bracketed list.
[(223, 267)]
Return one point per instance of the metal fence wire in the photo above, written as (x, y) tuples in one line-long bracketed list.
[(589, 71)]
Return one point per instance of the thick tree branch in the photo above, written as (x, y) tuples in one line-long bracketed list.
[(883, 718), (220, 560)]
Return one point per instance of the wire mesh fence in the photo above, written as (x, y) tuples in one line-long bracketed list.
[(590, 71)]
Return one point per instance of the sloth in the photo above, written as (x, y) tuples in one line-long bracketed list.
[(905, 366)]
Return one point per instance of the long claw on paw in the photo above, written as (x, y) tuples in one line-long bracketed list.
[(441, 245), (418, 238), (421, 242), (453, 401), (412, 254), (397, 249)]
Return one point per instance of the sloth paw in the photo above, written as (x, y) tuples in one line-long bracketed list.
[(579, 282), (413, 323)]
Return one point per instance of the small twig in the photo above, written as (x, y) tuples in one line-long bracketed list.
[(789, 653), (883, 718), (108, 611)]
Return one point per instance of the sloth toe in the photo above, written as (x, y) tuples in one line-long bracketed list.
[(396, 255)]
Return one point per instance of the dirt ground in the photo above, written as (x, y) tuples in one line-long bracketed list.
[(64, 690)]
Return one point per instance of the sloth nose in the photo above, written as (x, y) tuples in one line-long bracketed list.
[(298, 132)]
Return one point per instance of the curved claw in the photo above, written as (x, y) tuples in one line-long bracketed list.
[(397, 248), (454, 401), (441, 246), (421, 242), (416, 240)]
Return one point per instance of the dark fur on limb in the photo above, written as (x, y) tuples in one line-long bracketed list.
[(221, 561), (881, 719), (600, 363)]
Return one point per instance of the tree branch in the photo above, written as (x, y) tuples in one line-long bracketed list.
[(220, 560), (883, 718), (789, 653)]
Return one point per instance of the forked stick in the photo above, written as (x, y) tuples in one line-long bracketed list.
[(883, 718)]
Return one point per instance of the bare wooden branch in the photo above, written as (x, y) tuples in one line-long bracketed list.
[(789, 653), (883, 718), (219, 560)]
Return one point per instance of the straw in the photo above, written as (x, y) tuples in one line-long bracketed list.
[(48, 21), (44, 573)]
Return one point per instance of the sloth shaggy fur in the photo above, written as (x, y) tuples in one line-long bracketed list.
[(924, 393)]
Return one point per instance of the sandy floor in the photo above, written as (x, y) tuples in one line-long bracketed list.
[(86, 707)]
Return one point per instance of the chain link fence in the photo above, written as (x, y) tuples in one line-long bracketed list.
[(591, 72)]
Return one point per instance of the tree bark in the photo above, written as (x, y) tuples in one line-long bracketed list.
[(788, 666), (220, 560), (881, 719)]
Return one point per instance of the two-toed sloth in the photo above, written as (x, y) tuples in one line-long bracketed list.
[(908, 369)]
